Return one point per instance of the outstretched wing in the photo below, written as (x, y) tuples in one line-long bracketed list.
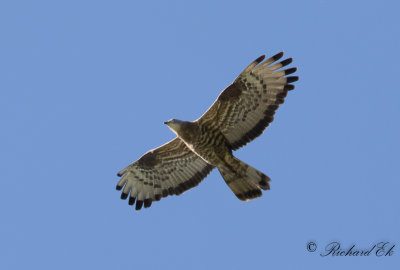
[(247, 106), (170, 169)]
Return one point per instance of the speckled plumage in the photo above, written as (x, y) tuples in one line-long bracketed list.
[(239, 115)]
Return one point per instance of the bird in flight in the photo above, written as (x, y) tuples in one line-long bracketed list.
[(240, 114)]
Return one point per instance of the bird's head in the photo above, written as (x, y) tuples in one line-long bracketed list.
[(175, 125), (181, 128)]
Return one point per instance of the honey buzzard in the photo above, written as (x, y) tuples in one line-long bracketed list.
[(240, 114)]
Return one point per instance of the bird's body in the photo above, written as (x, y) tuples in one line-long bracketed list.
[(240, 114), (206, 142), (211, 145)]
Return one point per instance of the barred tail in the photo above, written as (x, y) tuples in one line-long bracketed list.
[(245, 181)]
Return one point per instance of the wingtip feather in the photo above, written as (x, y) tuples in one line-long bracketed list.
[(131, 200), (289, 87), (147, 203), (121, 172), (260, 59), (287, 62), (253, 64), (290, 70), (277, 56), (291, 79), (139, 204), (124, 196)]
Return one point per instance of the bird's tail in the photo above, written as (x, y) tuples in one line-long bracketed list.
[(245, 181)]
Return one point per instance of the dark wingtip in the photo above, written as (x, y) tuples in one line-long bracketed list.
[(118, 187), (124, 196), (139, 205), (286, 62), (289, 87), (147, 203), (263, 182), (290, 70), (277, 56), (131, 200), (291, 79), (119, 174), (259, 59)]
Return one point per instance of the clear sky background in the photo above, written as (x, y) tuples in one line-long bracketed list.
[(85, 87)]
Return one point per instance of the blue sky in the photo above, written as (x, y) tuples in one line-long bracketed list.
[(86, 87)]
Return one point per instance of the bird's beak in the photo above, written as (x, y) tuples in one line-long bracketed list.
[(167, 122)]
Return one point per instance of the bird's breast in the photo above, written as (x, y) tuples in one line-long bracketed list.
[(211, 146)]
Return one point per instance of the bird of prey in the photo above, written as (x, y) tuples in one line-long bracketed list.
[(240, 114)]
